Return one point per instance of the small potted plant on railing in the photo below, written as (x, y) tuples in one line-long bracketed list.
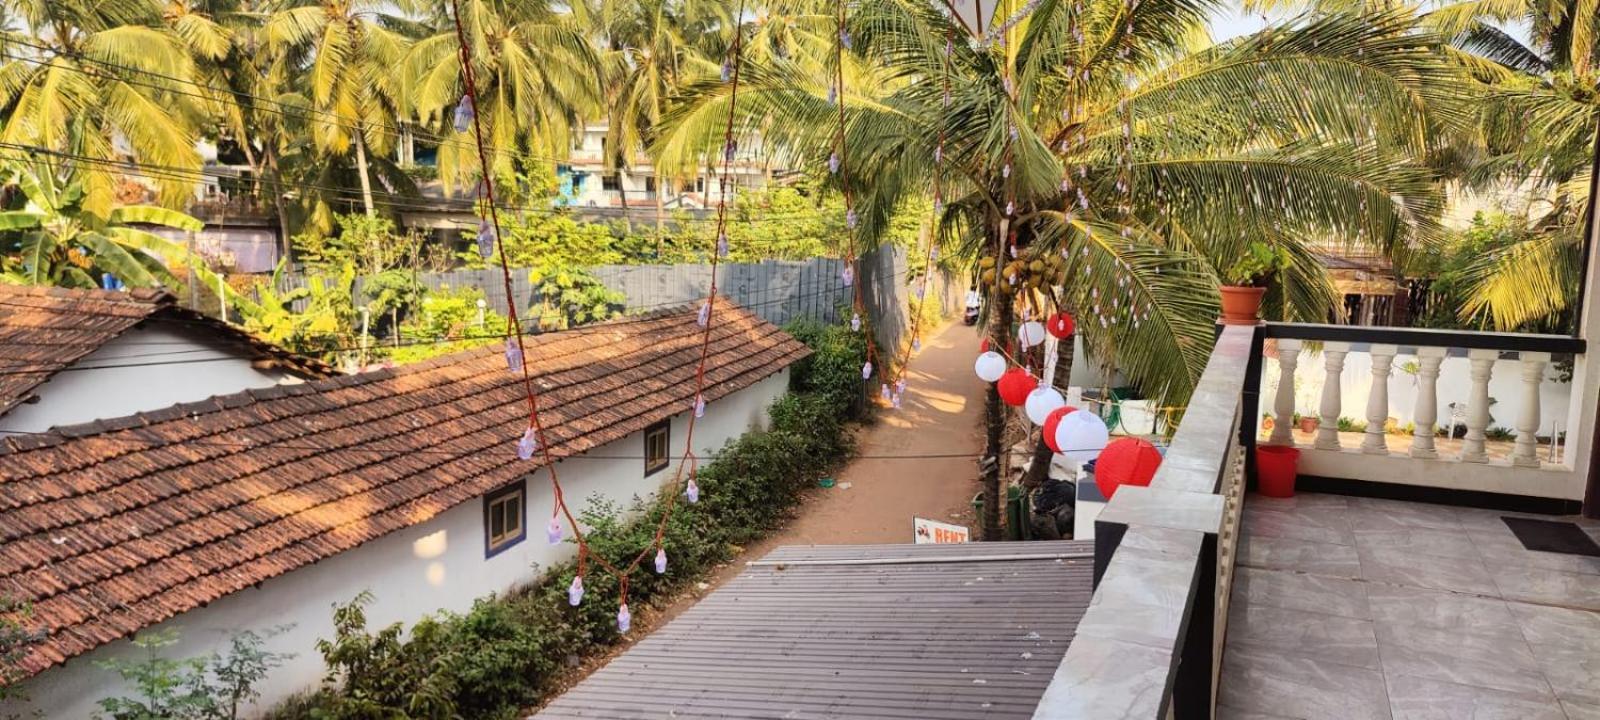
[(1247, 281)]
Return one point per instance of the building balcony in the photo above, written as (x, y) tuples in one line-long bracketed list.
[(1412, 575)]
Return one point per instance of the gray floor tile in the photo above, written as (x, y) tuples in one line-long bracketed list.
[(1272, 683), (1451, 656), (1543, 625), (1316, 524), (1414, 698), (1398, 567), (1326, 638), (1441, 610), (1299, 591), (1574, 674), (1548, 587), (1227, 713), (1505, 549), (1422, 541), (1263, 551), (1580, 711), (1302, 501), (1408, 514)]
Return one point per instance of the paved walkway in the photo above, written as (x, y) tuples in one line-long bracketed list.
[(1356, 609)]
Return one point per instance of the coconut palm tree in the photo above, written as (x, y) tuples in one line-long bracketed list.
[(1100, 159), (102, 80), (537, 78), (347, 53)]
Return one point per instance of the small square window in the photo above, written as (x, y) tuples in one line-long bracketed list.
[(656, 438), (504, 513), (609, 182)]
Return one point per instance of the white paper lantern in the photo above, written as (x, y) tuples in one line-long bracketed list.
[(990, 366), (1041, 402), (1081, 436), (1030, 334)]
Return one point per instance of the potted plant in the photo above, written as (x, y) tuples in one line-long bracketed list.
[(1246, 281), (1309, 423)]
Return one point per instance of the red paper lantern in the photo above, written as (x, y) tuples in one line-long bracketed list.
[(1015, 385), (1126, 461), (983, 347), (1053, 421), (1060, 325)]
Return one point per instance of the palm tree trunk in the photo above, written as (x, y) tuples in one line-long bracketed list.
[(270, 160), (622, 192), (361, 170), (661, 211), (1042, 454), (994, 413)]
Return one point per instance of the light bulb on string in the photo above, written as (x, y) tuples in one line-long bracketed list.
[(866, 370), (1005, 170), (722, 245), (727, 70), (833, 163), (844, 39), (464, 114), (855, 322), (553, 530), (575, 591), (883, 391), (513, 354), (661, 561), (847, 276), (485, 239), (691, 491), (894, 401), (850, 218), (624, 618), (528, 444), (699, 406)]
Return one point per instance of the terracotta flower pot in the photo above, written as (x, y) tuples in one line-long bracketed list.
[(1309, 424), (1241, 305)]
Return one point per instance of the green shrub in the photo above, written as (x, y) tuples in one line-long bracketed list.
[(833, 371)]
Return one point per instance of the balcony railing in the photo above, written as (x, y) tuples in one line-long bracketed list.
[(1151, 644), (1475, 385)]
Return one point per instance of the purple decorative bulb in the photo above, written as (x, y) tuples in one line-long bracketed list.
[(916, 345), (850, 218), (938, 153), (1066, 184), (661, 561), (699, 406), (1011, 208), (705, 314), (722, 245), (1013, 257), (883, 391), (844, 39), (866, 370), (575, 591), (513, 355), (895, 401), (1005, 170), (552, 530), (528, 444), (727, 70), (464, 114), (833, 163), (624, 619), (847, 276), (938, 205), (485, 239), (691, 491), (855, 322), (833, 94), (900, 387), (1013, 132), (933, 253)]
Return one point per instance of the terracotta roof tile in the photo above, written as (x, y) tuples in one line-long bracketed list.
[(111, 527), (44, 330)]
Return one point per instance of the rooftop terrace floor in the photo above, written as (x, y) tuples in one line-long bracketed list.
[(1355, 608)]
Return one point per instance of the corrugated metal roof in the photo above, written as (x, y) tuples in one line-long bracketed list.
[(953, 632)]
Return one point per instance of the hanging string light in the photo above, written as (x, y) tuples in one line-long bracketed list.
[(841, 159), (534, 439)]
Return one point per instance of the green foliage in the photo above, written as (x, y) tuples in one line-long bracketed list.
[(323, 328), (506, 651), (206, 688), (833, 371), (1259, 264), (570, 295), (447, 320), (14, 639)]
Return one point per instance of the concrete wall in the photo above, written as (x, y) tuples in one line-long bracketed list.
[(162, 365), (432, 566)]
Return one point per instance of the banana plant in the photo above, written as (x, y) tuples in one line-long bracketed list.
[(49, 236)]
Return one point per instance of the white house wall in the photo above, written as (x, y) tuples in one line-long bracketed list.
[(159, 366), (436, 565)]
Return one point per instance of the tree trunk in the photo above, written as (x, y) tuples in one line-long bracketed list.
[(1042, 454), (622, 192), (994, 410), (661, 211), (361, 170), (270, 159)]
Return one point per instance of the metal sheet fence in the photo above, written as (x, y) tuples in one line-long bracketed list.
[(778, 291)]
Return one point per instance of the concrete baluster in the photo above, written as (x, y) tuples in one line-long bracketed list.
[(1426, 415), (1376, 443), (1526, 452), (1333, 363), (1478, 405), (1283, 402)]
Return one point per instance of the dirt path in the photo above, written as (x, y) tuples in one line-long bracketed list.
[(874, 497)]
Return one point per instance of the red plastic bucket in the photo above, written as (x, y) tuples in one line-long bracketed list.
[(1276, 467)]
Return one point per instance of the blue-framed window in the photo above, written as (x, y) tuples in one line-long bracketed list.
[(656, 454), (505, 519)]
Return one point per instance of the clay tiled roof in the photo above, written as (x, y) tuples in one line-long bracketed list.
[(116, 525), (44, 330)]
